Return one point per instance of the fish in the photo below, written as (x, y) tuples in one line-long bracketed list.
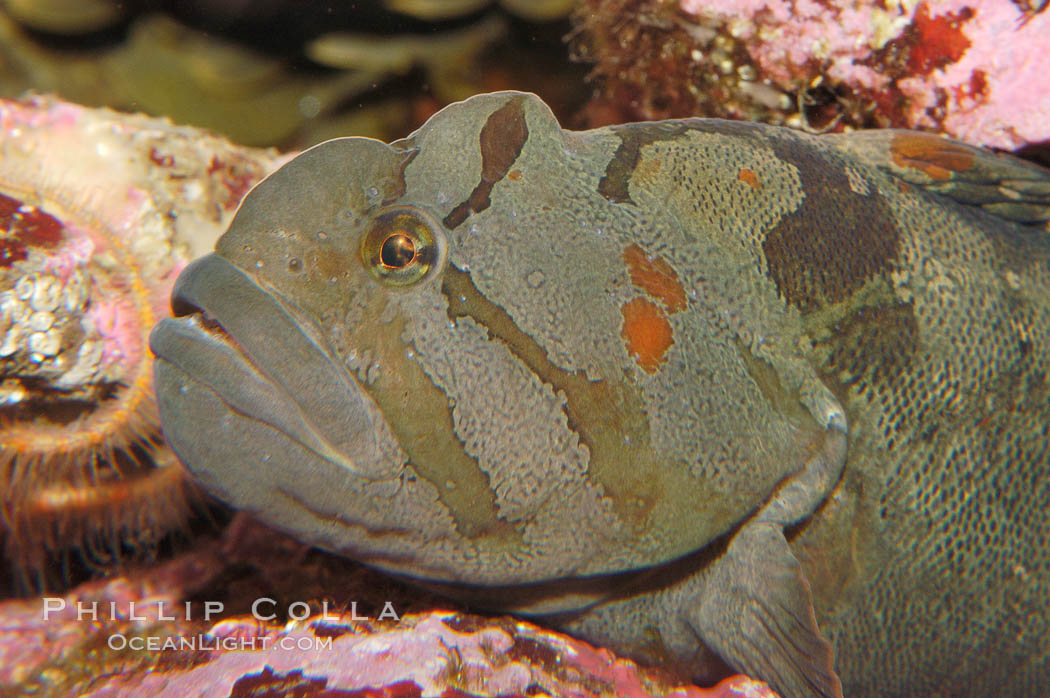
[(695, 390)]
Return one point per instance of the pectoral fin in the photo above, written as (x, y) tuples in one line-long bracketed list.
[(757, 613), (756, 608)]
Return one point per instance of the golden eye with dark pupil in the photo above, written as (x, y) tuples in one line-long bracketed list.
[(398, 251), (402, 245)]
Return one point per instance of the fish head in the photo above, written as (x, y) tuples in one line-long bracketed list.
[(434, 356)]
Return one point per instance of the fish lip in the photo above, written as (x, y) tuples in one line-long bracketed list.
[(255, 351)]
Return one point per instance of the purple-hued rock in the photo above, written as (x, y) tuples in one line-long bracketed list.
[(978, 71), (150, 643)]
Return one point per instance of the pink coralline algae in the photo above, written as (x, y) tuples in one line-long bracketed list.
[(149, 633), (439, 653), (978, 71)]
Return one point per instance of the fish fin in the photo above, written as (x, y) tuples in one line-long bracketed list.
[(756, 607), (756, 611), (1001, 184)]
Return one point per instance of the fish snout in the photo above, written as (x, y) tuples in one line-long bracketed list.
[(254, 401)]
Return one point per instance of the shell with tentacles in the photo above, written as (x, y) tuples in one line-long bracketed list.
[(98, 213)]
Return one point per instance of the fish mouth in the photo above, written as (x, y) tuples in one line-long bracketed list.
[(252, 399)]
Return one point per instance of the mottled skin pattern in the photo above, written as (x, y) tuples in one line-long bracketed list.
[(604, 374)]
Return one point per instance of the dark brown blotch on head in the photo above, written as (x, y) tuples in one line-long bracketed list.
[(614, 183), (502, 138), (398, 185), (835, 241)]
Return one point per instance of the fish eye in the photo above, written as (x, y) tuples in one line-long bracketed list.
[(400, 246), (397, 251)]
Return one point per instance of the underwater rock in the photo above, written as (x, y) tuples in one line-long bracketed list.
[(440, 653), (94, 641), (99, 211), (975, 71)]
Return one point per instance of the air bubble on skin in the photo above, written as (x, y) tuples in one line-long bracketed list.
[(442, 197), (183, 388), (373, 192), (474, 229), (258, 264), (266, 458), (295, 265), (247, 249), (409, 354), (322, 235)]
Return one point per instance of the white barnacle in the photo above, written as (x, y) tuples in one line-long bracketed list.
[(43, 345), (24, 287), (46, 295), (41, 321)]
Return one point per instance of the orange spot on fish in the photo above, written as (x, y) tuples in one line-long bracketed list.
[(646, 332), (932, 155), (514, 175), (748, 177), (656, 277)]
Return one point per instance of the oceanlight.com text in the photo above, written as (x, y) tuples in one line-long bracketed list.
[(206, 642)]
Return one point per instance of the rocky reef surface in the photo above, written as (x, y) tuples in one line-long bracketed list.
[(976, 71)]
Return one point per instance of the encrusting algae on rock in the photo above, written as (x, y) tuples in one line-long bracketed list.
[(976, 71), (98, 213)]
